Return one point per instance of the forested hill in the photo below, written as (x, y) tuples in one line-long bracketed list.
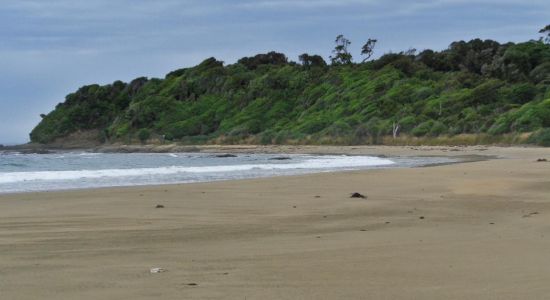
[(476, 87)]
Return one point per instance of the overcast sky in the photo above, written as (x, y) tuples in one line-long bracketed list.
[(50, 48)]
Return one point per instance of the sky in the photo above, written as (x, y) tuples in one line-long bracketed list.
[(51, 48)]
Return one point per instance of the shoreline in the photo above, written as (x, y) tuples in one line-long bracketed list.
[(375, 150), (237, 180), (240, 148), (476, 230), (268, 150)]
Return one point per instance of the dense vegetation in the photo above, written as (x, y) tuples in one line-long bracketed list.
[(475, 87)]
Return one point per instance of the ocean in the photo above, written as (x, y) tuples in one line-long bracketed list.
[(78, 170)]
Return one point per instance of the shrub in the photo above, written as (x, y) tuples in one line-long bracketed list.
[(523, 93), (313, 125), (423, 128), (528, 120), (338, 128), (144, 134), (361, 133), (541, 73), (541, 137), (169, 137), (239, 132), (267, 137), (438, 128), (407, 123), (502, 125), (373, 127), (189, 127)]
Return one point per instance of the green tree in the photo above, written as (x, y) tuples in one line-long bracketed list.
[(144, 134), (368, 49), (341, 55), (546, 31), (310, 61), (270, 58)]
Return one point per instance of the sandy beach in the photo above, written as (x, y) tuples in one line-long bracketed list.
[(474, 230)]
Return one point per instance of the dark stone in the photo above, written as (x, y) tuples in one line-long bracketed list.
[(159, 206), (541, 160), (357, 195), (36, 151), (225, 155), (280, 158), (421, 218), (531, 214)]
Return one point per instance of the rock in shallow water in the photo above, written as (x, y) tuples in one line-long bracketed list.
[(225, 155), (280, 158)]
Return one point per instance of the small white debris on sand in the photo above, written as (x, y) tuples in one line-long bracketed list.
[(157, 270)]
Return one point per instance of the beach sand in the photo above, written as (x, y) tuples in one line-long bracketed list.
[(476, 230)]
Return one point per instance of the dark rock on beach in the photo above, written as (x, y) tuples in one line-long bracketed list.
[(357, 195), (531, 214)]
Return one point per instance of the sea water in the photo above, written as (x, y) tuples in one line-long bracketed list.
[(77, 170)]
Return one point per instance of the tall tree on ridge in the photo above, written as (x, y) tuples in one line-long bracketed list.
[(368, 49), (546, 30), (340, 52)]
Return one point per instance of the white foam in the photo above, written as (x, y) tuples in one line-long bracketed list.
[(87, 154), (325, 162)]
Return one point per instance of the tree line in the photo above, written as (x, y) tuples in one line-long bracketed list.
[(477, 87)]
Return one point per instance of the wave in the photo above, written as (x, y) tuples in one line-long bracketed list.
[(13, 165), (87, 154), (326, 162)]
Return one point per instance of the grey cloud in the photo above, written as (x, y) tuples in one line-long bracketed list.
[(50, 48)]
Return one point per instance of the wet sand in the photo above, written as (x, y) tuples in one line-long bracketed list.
[(476, 230)]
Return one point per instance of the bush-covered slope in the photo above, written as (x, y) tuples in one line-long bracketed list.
[(472, 87)]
